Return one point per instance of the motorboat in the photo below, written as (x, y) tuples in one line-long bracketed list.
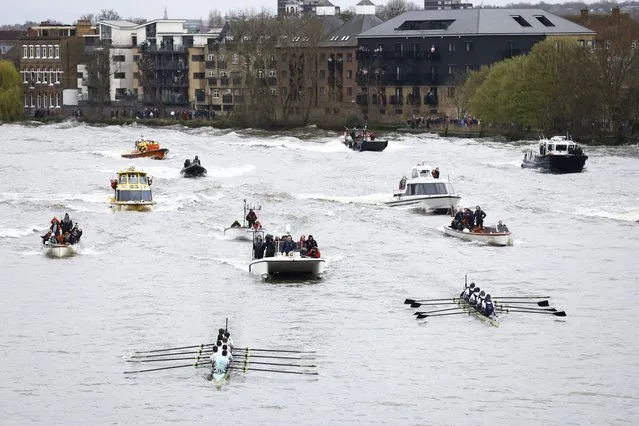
[(491, 235), (242, 231), (132, 190), (58, 250), (559, 154), (425, 189), (193, 171), (296, 264), (147, 148), (362, 140)]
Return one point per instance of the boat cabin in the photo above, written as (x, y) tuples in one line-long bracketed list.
[(559, 145), (424, 180), (132, 186)]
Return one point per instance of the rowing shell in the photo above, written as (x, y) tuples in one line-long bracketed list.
[(477, 313), (219, 380)]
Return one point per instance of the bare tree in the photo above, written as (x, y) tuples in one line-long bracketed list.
[(215, 19), (108, 15), (98, 69), (148, 78), (88, 17), (394, 8)]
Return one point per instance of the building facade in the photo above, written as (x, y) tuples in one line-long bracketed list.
[(412, 64), (8, 40), (446, 4), (49, 57)]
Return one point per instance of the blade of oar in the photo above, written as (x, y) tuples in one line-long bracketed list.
[(438, 310), (422, 316), (417, 304), (162, 368), (557, 314), (542, 303), (411, 301), (175, 349), (274, 371)]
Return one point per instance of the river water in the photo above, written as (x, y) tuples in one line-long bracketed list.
[(168, 278)]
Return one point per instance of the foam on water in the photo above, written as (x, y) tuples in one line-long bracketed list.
[(361, 199), (229, 172), (623, 214), (18, 233)]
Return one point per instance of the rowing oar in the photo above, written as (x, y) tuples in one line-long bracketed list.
[(204, 362), (529, 309), (209, 352), (163, 368), (417, 304), (274, 371), (411, 301), (202, 345), (557, 314), (422, 316), (542, 303), (272, 350), (438, 310), (520, 297)]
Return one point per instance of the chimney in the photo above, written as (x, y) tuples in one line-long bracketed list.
[(616, 15), (584, 14)]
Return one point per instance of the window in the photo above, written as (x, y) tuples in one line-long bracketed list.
[(451, 46), (25, 52), (198, 75), (451, 92), (128, 195), (521, 21), (199, 95), (56, 50), (197, 58), (57, 75), (50, 51), (38, 75), (452, 69), (469, 46), (216, 94), (118, 58), (26, 101), (322, 74), (211, 73), (581, 43), (349, 91), (271, 73), (236, 59), (273, 91), (210, 57), (425, 25), (349, 73), (30, 51), (398, 73), (544, 21), (322, 91), (45, 98), (37, 52), (349, 57), (38, 101), (45, 76), (469, 68), (119, 75)]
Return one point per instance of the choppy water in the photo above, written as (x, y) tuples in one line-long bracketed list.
[(169, 278)]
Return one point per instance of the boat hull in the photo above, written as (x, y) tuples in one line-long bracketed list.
[(135, 207), (59, 250), (556, 163), (374, 146), (489, 238), (243, 233), (436, 203), (287, 267), (219, 380), (477, 314), (157, 154), (193, 171)]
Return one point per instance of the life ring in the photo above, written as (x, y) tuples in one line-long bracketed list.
[(291, 254)]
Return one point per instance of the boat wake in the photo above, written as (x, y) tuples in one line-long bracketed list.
[(104, 154), (629, 215), (18, 233), (229, 172), (362, 199)]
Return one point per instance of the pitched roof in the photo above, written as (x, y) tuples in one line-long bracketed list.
[(119, 24), (11, 34), (324, 3), (365, 3), (475, 22), (346, 34)]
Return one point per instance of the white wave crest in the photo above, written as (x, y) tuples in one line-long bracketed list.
[(361, 199), (628, 215), (227, 172), (17, 233)]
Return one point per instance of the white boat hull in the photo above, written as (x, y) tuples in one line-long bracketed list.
[(433, 202), (243, 233), (59, 250), (490, 238), (285, 266)]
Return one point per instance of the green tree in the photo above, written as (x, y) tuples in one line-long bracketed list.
[(10, 92)]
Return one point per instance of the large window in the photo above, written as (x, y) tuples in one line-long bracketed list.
[(30, 51), (427, 189), (56, 51), (127, 195), (37, 51), (50, 47), (25, 51)]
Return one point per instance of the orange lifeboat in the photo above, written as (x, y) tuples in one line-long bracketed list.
[(147, 148)]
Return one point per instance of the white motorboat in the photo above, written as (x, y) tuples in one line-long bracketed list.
[(59, 250), (494, 236), (244, 232), (425, 189)]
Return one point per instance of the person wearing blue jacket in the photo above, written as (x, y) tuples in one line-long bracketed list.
[(288, 246)]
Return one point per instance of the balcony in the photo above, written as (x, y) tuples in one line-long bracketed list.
[(212, 81), (166, 49), (209, 64), (169, 82)]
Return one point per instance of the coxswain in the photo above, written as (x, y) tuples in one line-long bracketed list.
[(487, 306), (467, 291), (221, 364), (196, 161)]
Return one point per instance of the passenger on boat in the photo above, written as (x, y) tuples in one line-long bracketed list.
[(251, 218), (465, 294), (74, 235), (310, 243), (288, 245), (187, 163), (501, 227), (314, 253), (435, 173), (270, 246), (301, 244), (402, 182), (469, 219), (258, 247), (458, 220), (196, 161), (480, 215), (236, 224), (66, 224), (55, 227), (487, 306), (257, 225)]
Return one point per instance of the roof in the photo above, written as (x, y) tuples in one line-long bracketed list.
[(119, 24), (476, 22), (325, 3), (346, 34), (7, 35), (365, 3)]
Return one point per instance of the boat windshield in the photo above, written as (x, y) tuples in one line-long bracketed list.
[(122, 178), (429, 188), (127, 195), (133, 178), (143, 180)]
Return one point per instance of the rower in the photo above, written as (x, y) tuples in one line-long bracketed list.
[(221, 364), (225, 341), (230, 341), (467, 291), (487, 306), (225, 350), (214, 355), (479, 299), (473, 296)]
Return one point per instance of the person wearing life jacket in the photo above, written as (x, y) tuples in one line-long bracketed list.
[(257, 225), (55, 227), (487, 306), (288, 245), (251, 218), (314, 253), (435, 173), (467, 291), (310, 243)]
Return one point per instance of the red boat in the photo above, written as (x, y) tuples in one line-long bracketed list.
[(147, 148)]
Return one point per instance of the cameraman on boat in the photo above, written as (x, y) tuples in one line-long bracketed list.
[(251, 217)]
